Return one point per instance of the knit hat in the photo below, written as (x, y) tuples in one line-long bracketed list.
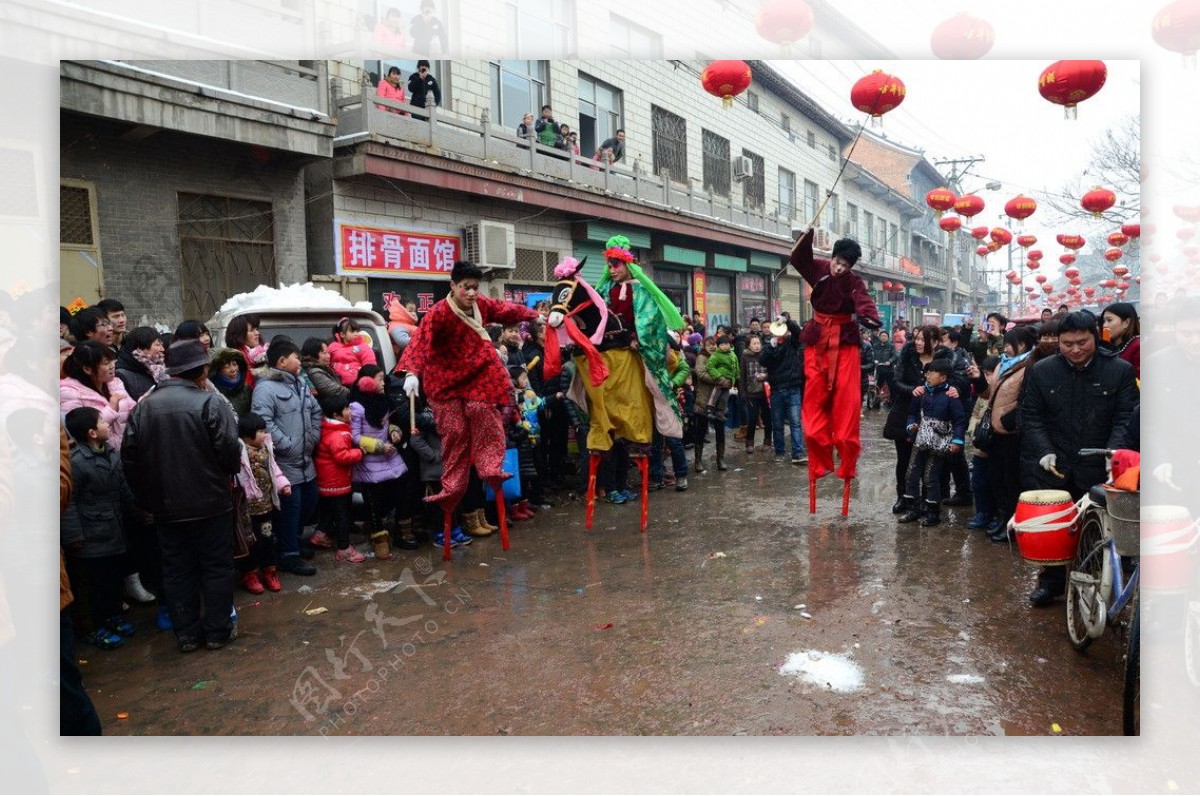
[(848, 250), (695, 338), (368, 384)]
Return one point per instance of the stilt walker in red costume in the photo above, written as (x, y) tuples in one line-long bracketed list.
[(465, 384), (833, 347)]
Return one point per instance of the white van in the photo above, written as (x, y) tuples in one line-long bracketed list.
[(302, 311)]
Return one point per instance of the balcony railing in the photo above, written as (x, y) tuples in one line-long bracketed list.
[(299, 84), (483, 144)]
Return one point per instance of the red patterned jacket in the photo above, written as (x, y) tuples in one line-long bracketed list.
[(335, 456), (454, 362)]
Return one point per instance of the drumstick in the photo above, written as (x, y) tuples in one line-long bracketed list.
[(412, 413)]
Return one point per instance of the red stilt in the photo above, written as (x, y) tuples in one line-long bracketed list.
[(502, 518), (812, 495), (846, 498), (644, 466), (593, 466), (447, 528)]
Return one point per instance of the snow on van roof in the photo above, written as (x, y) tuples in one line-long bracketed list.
[(289, 297)]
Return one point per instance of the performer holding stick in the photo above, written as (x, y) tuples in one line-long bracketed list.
[(465, 383), (832, 393)]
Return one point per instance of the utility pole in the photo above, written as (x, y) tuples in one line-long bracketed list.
[(958, 169)]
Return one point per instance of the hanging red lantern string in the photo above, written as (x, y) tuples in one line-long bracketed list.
[(1132, 230), (726, 79), (1041, 279), (1117, 239), (1032, 265), (961, 38), (1073, 242), (1112, 255), (950, 224), (1001, 236), (1035, 255), (877, 93), (784, 22), (1120, 270), (1025, 241), (1048, 289), (887, 285), (994, 246), (1067, 259), (941, 200), (969, 206), (982, 251), (1069, 83), (979, 233), (1020, 207), (1071, 273), (1097, 200)]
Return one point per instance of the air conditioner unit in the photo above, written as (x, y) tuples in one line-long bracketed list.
[(491, 245), (743, 167), (823, 239)]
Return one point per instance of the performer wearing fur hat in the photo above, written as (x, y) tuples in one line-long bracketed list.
[(832, 393), (465, 383)]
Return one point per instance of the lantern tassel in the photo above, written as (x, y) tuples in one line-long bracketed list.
[(1071, 112), (727, 101)]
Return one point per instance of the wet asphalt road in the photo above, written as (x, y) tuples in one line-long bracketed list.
[(614, 632)]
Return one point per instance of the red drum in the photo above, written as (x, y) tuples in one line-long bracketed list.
[(1045, 527), (1168, 558)]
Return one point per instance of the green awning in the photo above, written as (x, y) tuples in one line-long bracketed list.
[(682, 256), (593, 269), (600, 232), (765, 261)]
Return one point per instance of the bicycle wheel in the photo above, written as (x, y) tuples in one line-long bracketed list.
[(1132, 701), (1087, 604), (1191, 635)]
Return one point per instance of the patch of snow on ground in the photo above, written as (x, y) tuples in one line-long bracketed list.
[(826, 669), (964, 679), (295, 295)]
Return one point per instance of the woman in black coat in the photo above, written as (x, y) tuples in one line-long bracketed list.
[(909, 376), (141, 361)]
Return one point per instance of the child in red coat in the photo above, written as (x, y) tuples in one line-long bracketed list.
[(336, 454), (349, 351)]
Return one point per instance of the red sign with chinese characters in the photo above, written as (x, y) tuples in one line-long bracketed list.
[(910, 266), (378, 251), (698, 293), (752, 283)]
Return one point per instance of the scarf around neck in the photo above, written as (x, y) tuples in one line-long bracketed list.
[(1007, 363), (153, 364), (474, 320)]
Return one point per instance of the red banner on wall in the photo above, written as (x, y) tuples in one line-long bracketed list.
[(380, 251), (698, 288)]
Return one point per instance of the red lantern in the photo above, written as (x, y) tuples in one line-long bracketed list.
[(1030, 288), (1132, 230), (1108, 283), (979, 233), (941, 200), (1176, 27), (1011, 275), (1090, 291), (1112, 255), (1187, 233), (1041, 279), (1075, 280), (1002, 236), (1097, 200), (1122, 286), (1072, 242), (1032, 265), (1071, 273), (1068, 83), (1117, 239), (1035, 254), (962, 37), (726, 79), (950, 224), (1067, 259), (887, 285), (969, 206), (1191, 250), (877, 93), (1121, 270), (994, 246), (784, 22), (1025, 241), (982, 251), (1020, 207), (898, 287), (1189, 213), (1048, 289)]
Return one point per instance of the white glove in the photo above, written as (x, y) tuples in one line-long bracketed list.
[(1163, 473), (555, 320), (775, 341), (1049, 463), (411, 385)]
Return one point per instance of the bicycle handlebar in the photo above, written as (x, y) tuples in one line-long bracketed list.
[(1095, 452)]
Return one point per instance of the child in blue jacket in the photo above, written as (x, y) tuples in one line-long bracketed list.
[(936, 424)]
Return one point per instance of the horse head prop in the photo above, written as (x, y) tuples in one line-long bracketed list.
[(578, 316)]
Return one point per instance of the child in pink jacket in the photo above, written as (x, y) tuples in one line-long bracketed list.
[(262, 482), (349, 351)]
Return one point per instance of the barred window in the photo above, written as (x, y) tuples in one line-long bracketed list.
[(755, 188), (74, 216), (716, 163), (787, 194), (669, 134)]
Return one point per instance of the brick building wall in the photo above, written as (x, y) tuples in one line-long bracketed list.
[(137, 185)]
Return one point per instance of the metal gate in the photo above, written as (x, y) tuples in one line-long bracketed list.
[(228, 247)]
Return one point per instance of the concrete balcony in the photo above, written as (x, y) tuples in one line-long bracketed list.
[(280, 105), (475, 144)]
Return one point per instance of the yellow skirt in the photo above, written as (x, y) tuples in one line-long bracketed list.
[(622, 405)]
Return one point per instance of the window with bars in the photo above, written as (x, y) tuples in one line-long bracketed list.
[(228, 247), (752, 101), (534, 265), (785, 122), (810, 200), (811, 137), (832, 150), (75, 222), (669, 138), (716, 163), (755, 189), (787, 194)]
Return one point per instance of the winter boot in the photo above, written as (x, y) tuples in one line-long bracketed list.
[(911, 509), (405, 537), (472, 524), (136, 591), (933, 514), (740, 433), (382, 545), (483, 521), (721, 457), (698, 465), (979, 522)]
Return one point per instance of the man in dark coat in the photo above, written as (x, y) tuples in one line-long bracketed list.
[(422, 84), (1079, 398)]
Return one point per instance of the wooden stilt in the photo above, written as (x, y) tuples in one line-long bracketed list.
[(593, 466), (644, 466), (502, 517), (812, 494), (447, 527), (846, 498)]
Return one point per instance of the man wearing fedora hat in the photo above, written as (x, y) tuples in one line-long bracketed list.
[(180, 453), (832, 358)]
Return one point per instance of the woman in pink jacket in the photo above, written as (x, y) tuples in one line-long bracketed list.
[(349, 351), (90, 379)]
